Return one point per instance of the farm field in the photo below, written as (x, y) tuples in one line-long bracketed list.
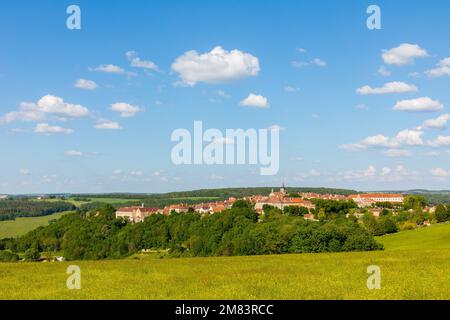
[(409, 270), (103, 200), (20, 226), (113, 200)]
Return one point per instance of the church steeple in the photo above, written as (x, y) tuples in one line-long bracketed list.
[(283, 189)]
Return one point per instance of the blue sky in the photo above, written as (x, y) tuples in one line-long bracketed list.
[(111, 131)]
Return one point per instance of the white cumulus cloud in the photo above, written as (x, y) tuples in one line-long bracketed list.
[(27, 112), (424, 104), (438, 123), (440, 141), (45, 128), (404, 54), (107, 125), (85, 84), (443, 69), (137, 62), (111, 68), (55, 105), (403, 138), (390, 87), (48, 105), (255, 100), (216, 66), (126, 110)]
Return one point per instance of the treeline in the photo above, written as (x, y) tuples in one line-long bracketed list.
[(432, 198), (326, 209), (12, 209), (237, 231), (220, 193)]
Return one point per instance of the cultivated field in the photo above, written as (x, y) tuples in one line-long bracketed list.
[(408, 270)]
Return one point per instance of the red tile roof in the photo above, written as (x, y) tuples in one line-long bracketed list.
[(376, 195)]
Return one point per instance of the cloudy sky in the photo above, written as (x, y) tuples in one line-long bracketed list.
[(93, 110)]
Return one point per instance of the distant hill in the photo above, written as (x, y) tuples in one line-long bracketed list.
[(220, 193)]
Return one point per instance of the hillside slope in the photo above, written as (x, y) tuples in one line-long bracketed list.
[(434, 237), (20, 226)]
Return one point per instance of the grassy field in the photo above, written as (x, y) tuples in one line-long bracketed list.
[(20, 226), (413, 266), (113, 200), (435, 237)]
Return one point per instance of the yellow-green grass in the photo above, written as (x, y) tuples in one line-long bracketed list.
[(436, 236), (103, 200), (20, 226), (406, 273)]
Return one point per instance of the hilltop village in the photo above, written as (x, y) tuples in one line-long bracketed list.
[(278, 199)]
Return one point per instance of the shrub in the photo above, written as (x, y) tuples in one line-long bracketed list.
[(32, 254), (408, 225), (7, 256)]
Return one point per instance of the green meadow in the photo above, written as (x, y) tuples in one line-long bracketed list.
[(435, 237), (20, 226), (414, 266)]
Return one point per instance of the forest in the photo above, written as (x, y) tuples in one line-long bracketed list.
[(97, 234), (220, 193), (11, 209)]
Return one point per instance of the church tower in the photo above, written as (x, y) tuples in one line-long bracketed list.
[(283, 189)]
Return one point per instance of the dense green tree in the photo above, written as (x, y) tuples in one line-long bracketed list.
[(8, 256), (379, 226), (414, 202), (341, 207), (32, 254), (442, 213), (242, 204), (295, 210)]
